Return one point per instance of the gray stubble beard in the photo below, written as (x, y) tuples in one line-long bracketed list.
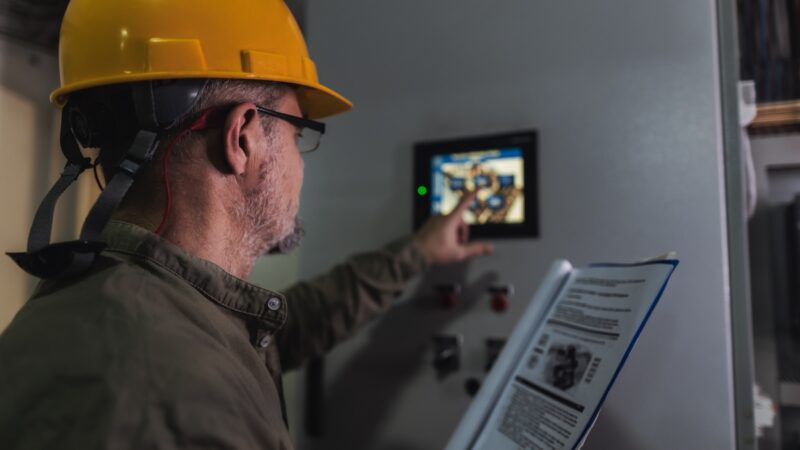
[(267, 229), (291, 241)]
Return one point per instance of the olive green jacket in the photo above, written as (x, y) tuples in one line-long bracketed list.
[(155, 348)]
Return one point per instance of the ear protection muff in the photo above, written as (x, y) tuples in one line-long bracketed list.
[(173, 98), (109, 116)]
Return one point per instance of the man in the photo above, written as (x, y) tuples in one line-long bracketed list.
[(149, 337)]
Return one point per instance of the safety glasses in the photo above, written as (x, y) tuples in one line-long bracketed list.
[(309, 132)]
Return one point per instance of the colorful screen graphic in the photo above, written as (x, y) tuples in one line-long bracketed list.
[(496, 175)]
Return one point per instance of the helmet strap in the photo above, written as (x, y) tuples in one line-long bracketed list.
[(137, 156), (67, 259)]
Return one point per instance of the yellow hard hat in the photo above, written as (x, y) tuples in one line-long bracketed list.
[(119, 41)]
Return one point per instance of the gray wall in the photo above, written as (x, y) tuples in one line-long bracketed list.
[(625, 95), (31, 161)]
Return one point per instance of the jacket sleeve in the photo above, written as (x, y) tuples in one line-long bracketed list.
[(328, 308)]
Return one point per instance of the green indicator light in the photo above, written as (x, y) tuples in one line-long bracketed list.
[(422, 191)]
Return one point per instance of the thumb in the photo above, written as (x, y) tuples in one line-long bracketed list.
[(476, 249)]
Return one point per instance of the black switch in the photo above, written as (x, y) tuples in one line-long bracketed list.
[(472, 385), (493, 348), (446, 354)]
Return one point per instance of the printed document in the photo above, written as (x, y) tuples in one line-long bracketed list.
[(557, 368)]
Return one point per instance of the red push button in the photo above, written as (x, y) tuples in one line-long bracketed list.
[(448, 294), (501, 297), (500, 303)]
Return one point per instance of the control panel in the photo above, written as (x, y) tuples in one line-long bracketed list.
[(500, 169)]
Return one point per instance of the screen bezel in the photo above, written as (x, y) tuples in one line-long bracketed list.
[(424, 152)]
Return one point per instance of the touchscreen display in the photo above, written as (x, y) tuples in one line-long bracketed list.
[(497, 176)]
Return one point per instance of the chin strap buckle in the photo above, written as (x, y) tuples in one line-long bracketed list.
[(60, 260)]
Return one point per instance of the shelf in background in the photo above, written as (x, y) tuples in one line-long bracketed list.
[(779, 114)]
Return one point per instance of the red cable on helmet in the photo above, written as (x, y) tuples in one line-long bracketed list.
[(203, 122)]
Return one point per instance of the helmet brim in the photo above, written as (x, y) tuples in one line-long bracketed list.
[(319, 102), (316, 101)]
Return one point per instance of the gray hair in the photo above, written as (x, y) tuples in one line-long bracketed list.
[(221, 93), (217, 93)]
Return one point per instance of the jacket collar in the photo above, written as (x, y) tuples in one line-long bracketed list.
[(228, 291)]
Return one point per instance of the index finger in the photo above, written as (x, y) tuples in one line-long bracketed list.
[(466, 200)]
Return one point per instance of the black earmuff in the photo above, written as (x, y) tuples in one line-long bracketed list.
[(91, 125)]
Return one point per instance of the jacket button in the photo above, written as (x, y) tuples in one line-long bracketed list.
[(274, 304), (264, 342)]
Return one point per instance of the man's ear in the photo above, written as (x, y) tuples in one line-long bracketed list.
[(240, 135)]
